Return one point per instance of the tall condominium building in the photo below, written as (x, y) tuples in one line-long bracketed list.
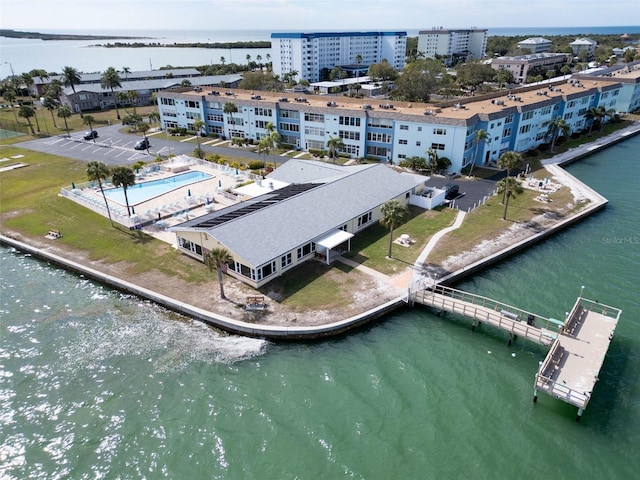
[(452, 44), (308, 54)]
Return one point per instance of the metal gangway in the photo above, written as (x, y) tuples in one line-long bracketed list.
[(483, 310)]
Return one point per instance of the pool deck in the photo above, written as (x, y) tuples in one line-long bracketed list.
[(163, 211)]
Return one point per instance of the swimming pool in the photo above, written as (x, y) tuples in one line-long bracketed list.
[(144, 191)]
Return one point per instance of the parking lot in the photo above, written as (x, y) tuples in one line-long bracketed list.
[(112, 147), (471, 191)]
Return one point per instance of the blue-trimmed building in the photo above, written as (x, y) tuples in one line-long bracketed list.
[(309, 53), (393, 131)]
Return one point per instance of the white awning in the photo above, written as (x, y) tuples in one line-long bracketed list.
[(333, 239)]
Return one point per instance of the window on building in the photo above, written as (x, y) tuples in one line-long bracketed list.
[(314, 117), (351, 121), (402, 141), (364, 219), (438, 146), (214, 117), (306, 250), (191, 104), (190, 246), (285, 260)]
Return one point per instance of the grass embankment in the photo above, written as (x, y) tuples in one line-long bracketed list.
[(30, 205), (371, 246), (485, 222)]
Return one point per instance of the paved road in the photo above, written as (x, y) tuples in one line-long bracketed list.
[(472, 191), (113, 147)]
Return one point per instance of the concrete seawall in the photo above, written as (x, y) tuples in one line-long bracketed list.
[(271, 332)]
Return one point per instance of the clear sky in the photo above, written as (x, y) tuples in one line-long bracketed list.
[(312, 15)]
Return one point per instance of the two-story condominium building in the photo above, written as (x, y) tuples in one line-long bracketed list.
[(452, 44), (309, 53), (535, 45), (393, 131), (520, 65)]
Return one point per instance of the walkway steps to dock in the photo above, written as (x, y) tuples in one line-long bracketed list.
[(571, 368), (515, 321)]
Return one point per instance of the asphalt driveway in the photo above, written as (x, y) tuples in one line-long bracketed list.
[(471, 191), (113, 147)]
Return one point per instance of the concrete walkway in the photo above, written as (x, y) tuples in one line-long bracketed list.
[(585, 149)]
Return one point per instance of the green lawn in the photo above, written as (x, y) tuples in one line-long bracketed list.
[(30, 204), (371, 246)]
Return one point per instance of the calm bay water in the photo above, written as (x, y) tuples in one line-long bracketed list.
[(97, 384), (28, 54)]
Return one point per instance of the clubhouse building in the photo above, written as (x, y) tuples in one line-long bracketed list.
[(310, 210)]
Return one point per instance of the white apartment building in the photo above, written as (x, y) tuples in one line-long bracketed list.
[(452, 44), (583, 45), (309, 53), (535, 45)]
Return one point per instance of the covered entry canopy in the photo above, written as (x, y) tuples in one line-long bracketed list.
[(333, 239)]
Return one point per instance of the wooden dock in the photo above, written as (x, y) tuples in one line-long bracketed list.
[(515, 321), (578, 344), (571, 368)]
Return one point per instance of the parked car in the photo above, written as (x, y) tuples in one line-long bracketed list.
[(451, 191), (142, 144), (90, 135)]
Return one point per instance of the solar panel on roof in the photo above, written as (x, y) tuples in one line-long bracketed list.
[(251, 206)]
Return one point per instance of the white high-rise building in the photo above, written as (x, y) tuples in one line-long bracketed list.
[(452, 44), (309, 53)]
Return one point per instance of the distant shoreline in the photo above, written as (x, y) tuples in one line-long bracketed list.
[(218, 45), (60, 36)]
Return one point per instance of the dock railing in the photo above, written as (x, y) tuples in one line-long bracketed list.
[(514, 320)]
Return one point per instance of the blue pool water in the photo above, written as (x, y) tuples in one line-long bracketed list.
[(144, 191)]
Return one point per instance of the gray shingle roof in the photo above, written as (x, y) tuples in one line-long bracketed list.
[(269, 233)]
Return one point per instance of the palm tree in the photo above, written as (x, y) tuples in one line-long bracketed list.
[(123, 177), (557, 126), (51, 104), (334, 144), (274, 139), (126, 71), (393, 214), (98, 171), (509, 187), (592, 114), (54, 89), (71, 77), (259, 60), (154, 117), (217, 259), (27, 80), (264, 146), (27, 112), (230, 108), (65, 112), (121, 97), (481, 136), (197, 126), (9, 95), (248, 57), (358, 62), (509, 161), (132, 96), (111, 79), (88, 120), (604, 114), (222, 61)]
